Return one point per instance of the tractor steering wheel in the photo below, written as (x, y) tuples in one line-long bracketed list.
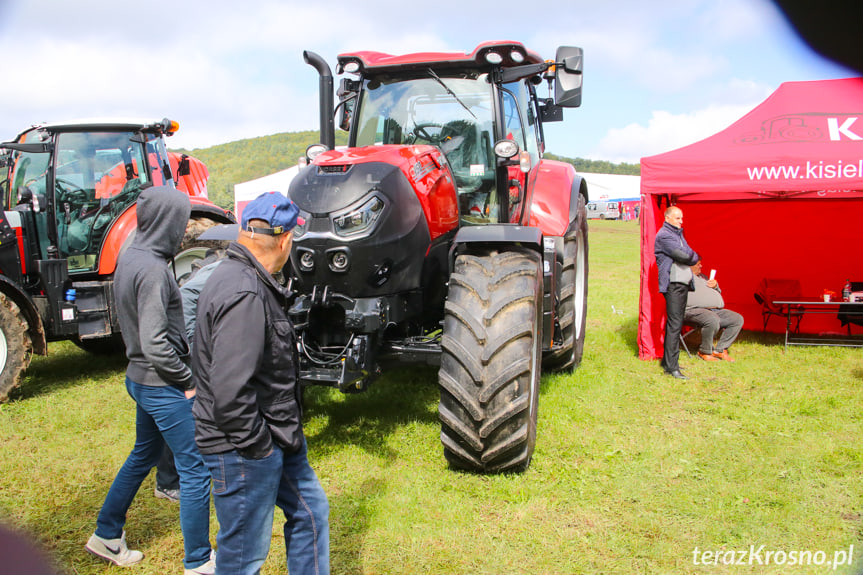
[(422, 131), (71, 193)]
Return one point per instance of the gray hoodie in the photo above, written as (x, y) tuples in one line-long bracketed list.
[(149, 305)]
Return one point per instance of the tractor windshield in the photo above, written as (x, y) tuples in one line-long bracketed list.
[(453, 113), (96, 177)]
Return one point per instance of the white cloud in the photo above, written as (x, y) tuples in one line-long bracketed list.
[(664, 132)]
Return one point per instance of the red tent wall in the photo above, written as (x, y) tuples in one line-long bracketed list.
[(747, 228), (807, 239)]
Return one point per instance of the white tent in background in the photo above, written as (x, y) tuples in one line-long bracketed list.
[(611, 186), (245, 192)]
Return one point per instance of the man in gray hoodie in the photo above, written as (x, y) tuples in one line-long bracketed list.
[(159, 379)]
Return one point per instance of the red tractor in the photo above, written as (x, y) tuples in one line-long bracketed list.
[(70, 192), (441, 236)]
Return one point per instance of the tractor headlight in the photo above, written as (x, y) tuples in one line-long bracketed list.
[(361, 220), (301, 229)]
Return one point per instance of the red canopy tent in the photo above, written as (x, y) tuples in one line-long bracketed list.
[(778, 194)]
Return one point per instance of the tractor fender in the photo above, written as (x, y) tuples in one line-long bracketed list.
[(523, 237), (555, 201), (500, 234), (123, 230), (35, 328), (205, 208)]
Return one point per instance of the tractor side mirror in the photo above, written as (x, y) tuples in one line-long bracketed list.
[(183, 167), (569, 62), (346, 113), (347, 93)]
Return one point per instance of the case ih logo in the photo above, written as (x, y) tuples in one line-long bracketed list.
[(807, 128)]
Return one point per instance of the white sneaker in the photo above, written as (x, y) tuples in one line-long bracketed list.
[(208, 568), (113, 550)]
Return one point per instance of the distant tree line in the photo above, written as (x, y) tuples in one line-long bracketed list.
[(245, 160), (599, 166)]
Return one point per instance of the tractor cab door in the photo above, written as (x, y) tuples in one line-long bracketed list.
[(97, 177), (26, 192)]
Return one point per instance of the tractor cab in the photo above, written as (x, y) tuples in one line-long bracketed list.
[(70, 182), (481, 109)]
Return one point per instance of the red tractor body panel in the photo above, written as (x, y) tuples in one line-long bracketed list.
[(549, 208), (423, 166), (195, 182)]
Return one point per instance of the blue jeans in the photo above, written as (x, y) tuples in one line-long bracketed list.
[(245, 492), (163, 412)]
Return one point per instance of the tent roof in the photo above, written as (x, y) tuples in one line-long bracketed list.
[(805, 137)]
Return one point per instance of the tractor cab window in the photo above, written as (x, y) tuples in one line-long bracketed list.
[(452, 113), (97, 177)]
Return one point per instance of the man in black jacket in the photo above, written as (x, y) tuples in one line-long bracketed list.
[(247, 414), (673, 260)]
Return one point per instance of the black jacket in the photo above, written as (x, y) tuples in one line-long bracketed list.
[(244, 362), (669, 247)]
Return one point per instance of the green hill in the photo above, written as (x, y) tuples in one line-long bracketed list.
[(252, 158)]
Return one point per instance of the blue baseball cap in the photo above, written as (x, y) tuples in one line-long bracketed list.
[(272, 207)]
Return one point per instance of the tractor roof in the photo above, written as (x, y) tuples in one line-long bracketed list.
[(164, 126), (503, 53)]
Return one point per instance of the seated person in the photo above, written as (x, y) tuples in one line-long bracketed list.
[(705, 309)]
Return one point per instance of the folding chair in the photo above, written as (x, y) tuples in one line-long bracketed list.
[(688, 330), (770, 290)]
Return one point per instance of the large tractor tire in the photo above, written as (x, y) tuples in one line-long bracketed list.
[(572, 311), (490, 361), (15, 346), (192, 249)]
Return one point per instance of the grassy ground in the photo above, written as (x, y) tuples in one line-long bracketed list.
[(633, 470)]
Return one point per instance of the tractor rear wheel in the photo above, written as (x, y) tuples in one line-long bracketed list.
[(490, 361), (192, 249), (15, 346), (572, 311)]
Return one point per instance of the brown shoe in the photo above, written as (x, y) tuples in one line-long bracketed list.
[(723, 355), (707, 356)]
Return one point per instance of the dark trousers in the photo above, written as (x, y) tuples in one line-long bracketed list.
[(675, 308), (166, 471)]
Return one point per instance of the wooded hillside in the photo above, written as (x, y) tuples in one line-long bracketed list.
[(244, 160)]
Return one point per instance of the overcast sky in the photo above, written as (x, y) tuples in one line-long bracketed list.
[(657, 75)]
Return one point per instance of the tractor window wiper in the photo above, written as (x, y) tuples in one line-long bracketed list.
[(451, 93)]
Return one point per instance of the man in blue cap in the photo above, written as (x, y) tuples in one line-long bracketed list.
[(248, 415)]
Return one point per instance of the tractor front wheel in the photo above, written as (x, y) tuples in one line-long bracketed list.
[(15, 346), (572, 311), (490, 361)]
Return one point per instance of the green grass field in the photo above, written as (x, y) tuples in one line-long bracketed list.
[(633, 471)]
